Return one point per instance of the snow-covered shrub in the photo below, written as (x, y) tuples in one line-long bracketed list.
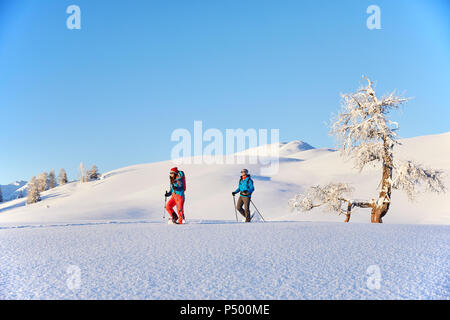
[(62, 177), (33, 194), (42, 181), (93, 174), (51, 179)]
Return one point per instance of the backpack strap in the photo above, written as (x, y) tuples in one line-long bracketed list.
[(249, 179)]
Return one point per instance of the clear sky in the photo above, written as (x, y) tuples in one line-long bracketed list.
[(113, 92)]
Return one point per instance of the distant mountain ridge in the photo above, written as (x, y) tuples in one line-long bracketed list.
[(282, 149), (12, 190)]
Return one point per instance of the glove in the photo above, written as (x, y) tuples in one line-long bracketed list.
[(167, 194), (233, 193)]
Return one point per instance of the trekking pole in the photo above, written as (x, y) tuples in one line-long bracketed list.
[(165, 203), (257, 210), (235, 211)]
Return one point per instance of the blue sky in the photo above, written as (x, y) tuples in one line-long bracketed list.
[(113, 92)]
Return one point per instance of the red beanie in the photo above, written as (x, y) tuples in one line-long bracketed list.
[(175, 169)]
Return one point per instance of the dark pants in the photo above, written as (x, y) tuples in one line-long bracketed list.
[(244, 201)]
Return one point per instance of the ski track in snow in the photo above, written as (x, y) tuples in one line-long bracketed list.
[(224, 260)]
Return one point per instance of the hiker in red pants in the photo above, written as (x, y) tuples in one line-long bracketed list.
[(177, 189)]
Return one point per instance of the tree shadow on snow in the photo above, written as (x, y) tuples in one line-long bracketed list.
[(13, 206)]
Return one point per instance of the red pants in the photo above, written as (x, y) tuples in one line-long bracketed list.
[(176, 200)]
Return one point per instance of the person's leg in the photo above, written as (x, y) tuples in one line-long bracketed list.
[(247, 209), (239, 205), (169, 207), (180, 208)]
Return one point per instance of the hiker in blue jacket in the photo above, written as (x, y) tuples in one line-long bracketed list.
[(245, 189)]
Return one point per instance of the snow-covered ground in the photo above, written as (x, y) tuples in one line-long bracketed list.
[(113, 231), (225, 260)]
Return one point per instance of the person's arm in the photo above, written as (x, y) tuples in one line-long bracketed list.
[(178, 184), (237, 190)]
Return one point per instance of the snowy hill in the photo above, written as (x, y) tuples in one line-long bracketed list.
[(111, 233), (12, 190), (282, 149), (137, 192)]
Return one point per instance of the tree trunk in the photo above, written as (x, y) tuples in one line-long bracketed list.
[(378, 213), (349, 211), (380, 209)]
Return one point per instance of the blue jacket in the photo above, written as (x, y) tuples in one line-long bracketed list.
[(246, 185), (177, 186)]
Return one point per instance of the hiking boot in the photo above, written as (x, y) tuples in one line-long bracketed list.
[(174, 217)]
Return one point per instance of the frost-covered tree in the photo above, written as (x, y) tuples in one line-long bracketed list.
[(33, 194), (82, 173), (366, 135), (42, 181), (51, 179), (62, 177), (93, 174)]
